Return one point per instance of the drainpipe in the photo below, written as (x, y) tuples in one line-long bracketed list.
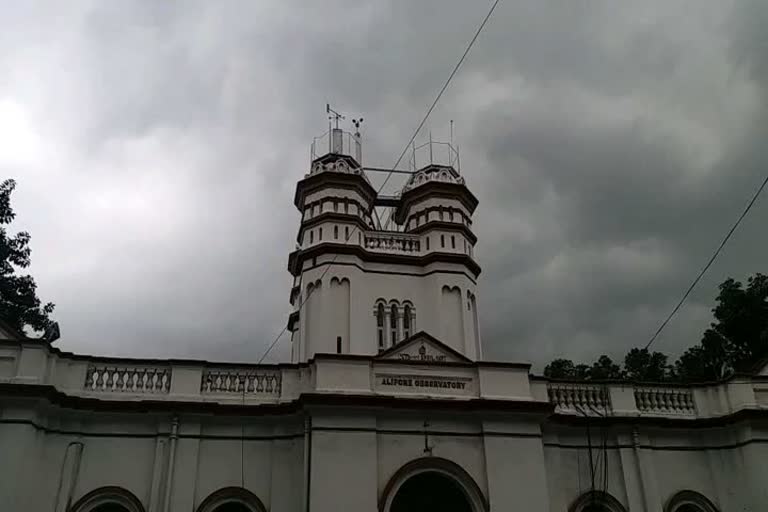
[(640, 472), (307, 460), (171, 460), (70, 467)]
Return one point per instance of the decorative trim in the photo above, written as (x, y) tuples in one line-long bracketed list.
[(424, 335), (232, 495), (108, 494), (435, 189), (389, 272), (320, 180), (297, 258), (610, 503), (687, 497), (445, 225)]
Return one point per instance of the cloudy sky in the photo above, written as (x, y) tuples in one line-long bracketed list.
[(156, 147)]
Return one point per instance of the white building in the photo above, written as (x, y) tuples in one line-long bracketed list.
[(387, 404)]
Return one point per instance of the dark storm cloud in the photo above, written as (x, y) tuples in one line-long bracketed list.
[(157, 145)]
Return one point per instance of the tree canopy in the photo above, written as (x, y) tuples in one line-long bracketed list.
[(20, 306), (735, 341)]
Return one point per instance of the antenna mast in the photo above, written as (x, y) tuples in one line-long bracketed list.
[(334, 116)]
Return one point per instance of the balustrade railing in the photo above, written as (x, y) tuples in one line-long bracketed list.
[(590, 399), (663, 400), (241, 380), (128, 379), (392, 242)]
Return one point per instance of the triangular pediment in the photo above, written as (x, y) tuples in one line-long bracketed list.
[(423, 348)]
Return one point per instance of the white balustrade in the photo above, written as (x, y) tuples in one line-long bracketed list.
[(128, 379), (241, 380), (664, 400), (591, 399), (393, 243)]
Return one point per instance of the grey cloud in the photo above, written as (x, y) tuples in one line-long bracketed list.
[(610, 145)]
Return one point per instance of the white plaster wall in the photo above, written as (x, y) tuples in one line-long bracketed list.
[(367, 284)]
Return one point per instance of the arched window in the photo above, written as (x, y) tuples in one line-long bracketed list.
[(380, 325), (393, 324), (407, 321)]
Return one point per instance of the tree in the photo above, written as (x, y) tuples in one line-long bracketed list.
[(605, 369), (641, 365), (19, 305), (738, 338), (559, 369)]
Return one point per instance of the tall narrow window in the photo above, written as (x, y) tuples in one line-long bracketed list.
[(406, 321), (311, 236), (335, 232), (453, 213), (442, 239), (393, 324), (380, 325), (320, 234), (335, 206), (453, 242), (346, 233), (359, 238), (441, 213), (427, 243), (338, 344), (346, 206)]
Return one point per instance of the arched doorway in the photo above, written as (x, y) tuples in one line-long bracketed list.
[(596, 501), (689, 501), (108, 499), (430, 491), (232, 499), (432, 484)]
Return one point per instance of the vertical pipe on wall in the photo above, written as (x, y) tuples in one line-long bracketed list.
[(307, 460), (640, 472), (171, 458), (70, 467)]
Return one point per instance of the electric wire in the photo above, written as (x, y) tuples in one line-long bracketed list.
[(709, 263), (394, 167)]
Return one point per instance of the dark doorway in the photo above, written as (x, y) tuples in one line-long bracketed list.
[(232, 506), (110, 507), (430, 492)]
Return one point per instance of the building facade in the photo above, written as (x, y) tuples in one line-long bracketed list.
[(387, 403)]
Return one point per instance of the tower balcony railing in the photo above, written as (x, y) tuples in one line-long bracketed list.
[(392, 242), (337, 142)]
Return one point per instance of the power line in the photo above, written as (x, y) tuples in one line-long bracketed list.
[(709, 263), (394, 167), (442, 90)]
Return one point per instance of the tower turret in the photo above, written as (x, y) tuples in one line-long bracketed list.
[(359, 288)]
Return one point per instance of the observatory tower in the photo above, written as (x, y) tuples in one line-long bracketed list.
[(359, 288)]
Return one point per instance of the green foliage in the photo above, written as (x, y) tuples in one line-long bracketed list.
[(603, 369), (19, 305), (736, 341), (643, 366)]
